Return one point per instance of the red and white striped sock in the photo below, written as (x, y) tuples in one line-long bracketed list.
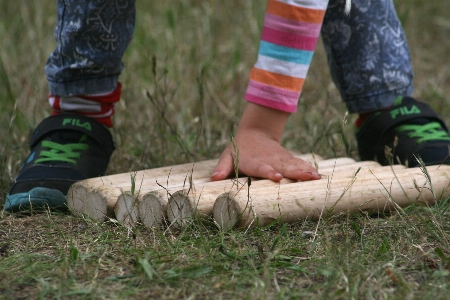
[(363, 116), (98, 106)]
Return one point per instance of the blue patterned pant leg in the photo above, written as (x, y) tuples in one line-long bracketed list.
[(368, 54), (91, 36)]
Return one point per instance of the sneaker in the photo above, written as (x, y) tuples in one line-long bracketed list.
[(403, 133), (65, 148)]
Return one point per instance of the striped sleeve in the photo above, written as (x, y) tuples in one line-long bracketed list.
[(289, 37)]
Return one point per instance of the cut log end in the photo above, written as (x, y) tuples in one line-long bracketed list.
[(75, 198), (180, 211), (152, 209), (126, 209), (99, 203), (226, 211), (92, 202), (95, 206)]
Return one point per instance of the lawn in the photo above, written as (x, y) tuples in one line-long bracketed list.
[(186, 72)]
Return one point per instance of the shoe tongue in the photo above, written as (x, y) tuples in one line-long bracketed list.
[(66, 136)]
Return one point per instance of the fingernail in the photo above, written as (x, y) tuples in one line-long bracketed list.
[(278, 175), (313, 173)]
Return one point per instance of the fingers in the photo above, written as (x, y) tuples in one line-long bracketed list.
[(273, 168), (300, 170), (276, 170), (302, 173), (224, 167), (250, 167), (262, 170)]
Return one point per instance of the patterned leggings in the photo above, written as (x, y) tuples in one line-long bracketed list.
[(367, 50)]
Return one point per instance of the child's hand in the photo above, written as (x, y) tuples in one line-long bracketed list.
[(261, 156), (260, 153)]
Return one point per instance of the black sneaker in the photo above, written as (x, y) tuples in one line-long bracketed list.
[(407, 130), (64, 149)]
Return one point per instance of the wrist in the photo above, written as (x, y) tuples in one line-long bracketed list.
[(268, 121)]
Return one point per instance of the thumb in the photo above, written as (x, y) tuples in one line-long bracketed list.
[(224, 167)]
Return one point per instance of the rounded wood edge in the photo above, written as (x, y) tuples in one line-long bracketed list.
[(151, 209), (226, 211), (180, 212), (126, 210)]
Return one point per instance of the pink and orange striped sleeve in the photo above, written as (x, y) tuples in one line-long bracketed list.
[(289, 37)]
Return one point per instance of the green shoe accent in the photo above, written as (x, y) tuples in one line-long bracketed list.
[(61, 152), (77, 123), (404, 111), (423, 133)]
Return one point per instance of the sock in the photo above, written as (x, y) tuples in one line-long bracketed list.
[(98, 106), (363, 116)]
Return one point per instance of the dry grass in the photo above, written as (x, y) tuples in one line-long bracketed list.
[(203, 52)]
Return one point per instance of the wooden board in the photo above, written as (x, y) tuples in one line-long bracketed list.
[(179, 194)]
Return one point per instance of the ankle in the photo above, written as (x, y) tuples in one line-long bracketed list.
[(100, 106), (363, 116)]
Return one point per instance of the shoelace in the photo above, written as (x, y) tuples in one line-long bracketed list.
[(61, 152), (432, 131)]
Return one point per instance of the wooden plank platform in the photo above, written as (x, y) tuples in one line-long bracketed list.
[(178, 194)]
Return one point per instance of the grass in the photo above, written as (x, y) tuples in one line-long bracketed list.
[(186, 72)]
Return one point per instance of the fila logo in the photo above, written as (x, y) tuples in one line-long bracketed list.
[(404, 111), (77, 123)]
